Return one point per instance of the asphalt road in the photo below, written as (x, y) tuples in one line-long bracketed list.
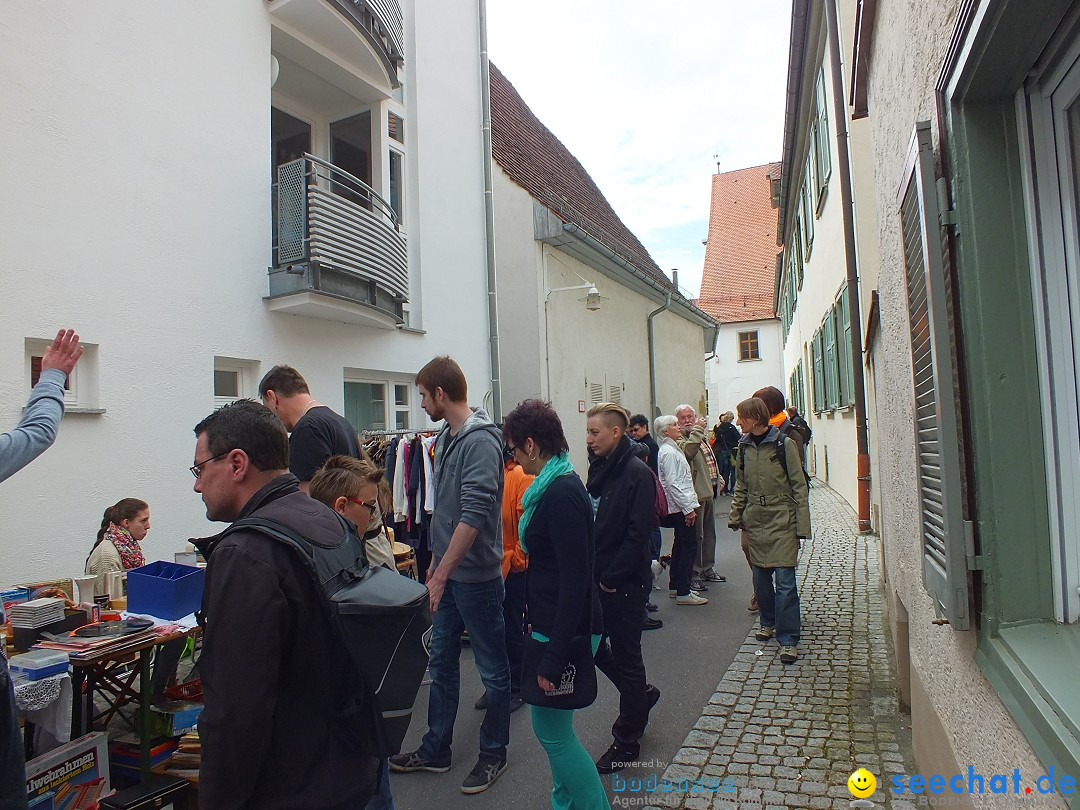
[(686, 658)]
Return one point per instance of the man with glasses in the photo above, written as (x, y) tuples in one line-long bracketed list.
[(315, 431), (284, 724)]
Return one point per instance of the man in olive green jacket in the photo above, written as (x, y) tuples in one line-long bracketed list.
[(704, 471), (772, 506)]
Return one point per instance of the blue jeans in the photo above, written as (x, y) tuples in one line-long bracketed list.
[(779, 608), (514, 626), (12, 755), (476, 607), (383, 798)]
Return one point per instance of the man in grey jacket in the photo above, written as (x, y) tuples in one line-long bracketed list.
[(32, 436), (465, 578)]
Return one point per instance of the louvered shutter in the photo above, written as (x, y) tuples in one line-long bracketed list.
[(847, 374), (944, 541), (819, 374), (832, 379)]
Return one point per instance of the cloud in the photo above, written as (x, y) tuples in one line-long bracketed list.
[(650, 97)]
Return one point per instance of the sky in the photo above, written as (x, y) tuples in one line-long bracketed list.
[(650, 97)]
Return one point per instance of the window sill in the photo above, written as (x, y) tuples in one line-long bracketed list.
[(751, 360), (82, 409), (1033, 669), (412, 331)]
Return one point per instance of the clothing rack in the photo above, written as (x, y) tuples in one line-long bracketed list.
[(376, 433)]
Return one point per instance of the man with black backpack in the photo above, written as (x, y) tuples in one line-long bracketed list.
[(285, 724)]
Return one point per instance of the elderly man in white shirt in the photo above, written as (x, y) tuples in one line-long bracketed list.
[(678, 484)]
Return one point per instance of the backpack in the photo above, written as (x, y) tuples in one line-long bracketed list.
[(382, 618), (779, 453), (661, 500)]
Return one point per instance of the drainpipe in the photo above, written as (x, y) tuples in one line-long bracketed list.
[(489, 220), (655, 412), (843, 159)]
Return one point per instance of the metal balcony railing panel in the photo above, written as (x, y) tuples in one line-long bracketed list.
[(327, 216), (388, 13), (344, 234)]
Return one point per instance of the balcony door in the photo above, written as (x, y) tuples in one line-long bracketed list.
[(289, 136), (350, 151)]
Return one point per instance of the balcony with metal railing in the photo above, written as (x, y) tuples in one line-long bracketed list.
[(338, 252)]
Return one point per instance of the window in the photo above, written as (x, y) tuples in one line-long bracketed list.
[(395, 127), (941, 499), (375, 403), (748, 346), (401, 406), (234, 379), (808, 216), (81, 387), (821, 153), (397, 164)]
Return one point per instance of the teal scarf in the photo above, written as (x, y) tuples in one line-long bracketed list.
[(555, 467)]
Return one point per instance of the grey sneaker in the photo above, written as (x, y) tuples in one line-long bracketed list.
[(788, 655), (412, 761), (483, 775), (764, 634)]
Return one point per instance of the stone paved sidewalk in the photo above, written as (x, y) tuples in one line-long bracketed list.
[(789, 736)]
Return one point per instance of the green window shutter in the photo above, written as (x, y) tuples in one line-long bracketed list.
[(823, 154), (808, 212), (832, 381), (844, 335), (801, 403), (944, 540), (819, 374)]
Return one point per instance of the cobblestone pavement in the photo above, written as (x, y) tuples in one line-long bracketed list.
[(777, 736)]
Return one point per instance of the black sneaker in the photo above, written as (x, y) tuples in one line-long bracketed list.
[(481, 702), (616, 758), (698, 584), (651, 624), (652, 695), (412, 761), (649, 606), (483, 775), (515, 704)]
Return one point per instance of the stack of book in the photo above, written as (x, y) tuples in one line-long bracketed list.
[(81, 648), (185, 762), (125, 754), (37, 613)]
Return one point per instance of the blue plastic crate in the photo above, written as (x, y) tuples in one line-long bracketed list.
[(165, 590)]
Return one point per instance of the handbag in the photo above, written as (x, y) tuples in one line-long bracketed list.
[(577, 686)]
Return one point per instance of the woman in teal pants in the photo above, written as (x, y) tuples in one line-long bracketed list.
[(560, 601)]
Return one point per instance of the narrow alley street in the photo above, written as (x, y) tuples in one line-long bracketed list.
[(730, 712)]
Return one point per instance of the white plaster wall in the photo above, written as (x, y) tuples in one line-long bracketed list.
[(518, 258), (579, 347), (731, 380), (911, 37), (138, 209)]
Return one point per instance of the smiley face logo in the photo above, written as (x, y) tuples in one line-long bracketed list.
[(862, 784)]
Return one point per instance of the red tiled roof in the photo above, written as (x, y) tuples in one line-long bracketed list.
[(739, 280), (536, 160)]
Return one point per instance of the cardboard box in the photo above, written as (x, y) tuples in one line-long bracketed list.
[(174, 718), (80, 762)]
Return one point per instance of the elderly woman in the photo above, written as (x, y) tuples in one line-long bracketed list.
[(556, 532), (678, 486)]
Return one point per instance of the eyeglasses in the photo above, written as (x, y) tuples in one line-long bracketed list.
[(371, 507), (197, 469)]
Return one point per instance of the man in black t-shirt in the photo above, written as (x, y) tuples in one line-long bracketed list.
[(315, 431)]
